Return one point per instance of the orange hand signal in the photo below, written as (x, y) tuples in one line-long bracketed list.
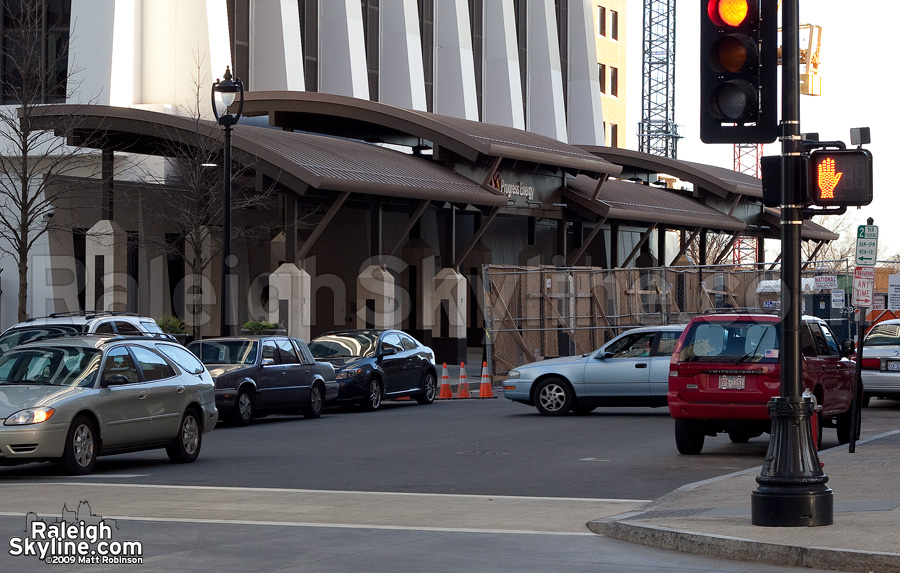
[(827, 178)]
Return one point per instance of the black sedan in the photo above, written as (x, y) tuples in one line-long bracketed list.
[(373, 365), (257, 375)]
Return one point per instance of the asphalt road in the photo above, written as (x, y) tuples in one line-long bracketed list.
[(486, 447), (226, 512)]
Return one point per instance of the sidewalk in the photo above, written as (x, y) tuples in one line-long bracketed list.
[(712, 517)]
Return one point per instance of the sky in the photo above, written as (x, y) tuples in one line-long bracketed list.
[(856, 68)]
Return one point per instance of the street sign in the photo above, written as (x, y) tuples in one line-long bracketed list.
[(863, 286), (866, 245), (824, 282)]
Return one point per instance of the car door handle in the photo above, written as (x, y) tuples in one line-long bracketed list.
[(179, 390), (142, 395), (640, 365)]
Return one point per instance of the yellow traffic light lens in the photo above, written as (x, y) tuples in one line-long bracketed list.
[(730, 12), (732, 54)]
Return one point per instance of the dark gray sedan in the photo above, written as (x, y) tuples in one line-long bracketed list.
[(257, 375), (629, 370)]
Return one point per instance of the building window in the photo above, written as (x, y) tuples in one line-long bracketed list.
[(614, 24), (614, 135), (614, 81), (602, 77), (35, 50), (601, 20)]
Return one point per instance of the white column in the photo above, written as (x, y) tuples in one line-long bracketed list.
[(401, 80), (276, 54), (375, 298), (106, 272), (342, 50), (501, 82), (289, 299), (454, 61), (584, 108), (451, 286), (545, 113)]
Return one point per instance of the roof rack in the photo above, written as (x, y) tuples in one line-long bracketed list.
[(110, 335), (741, 310), (91, 313)]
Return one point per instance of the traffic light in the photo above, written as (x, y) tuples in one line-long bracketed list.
[(738, 71), (840, 177)]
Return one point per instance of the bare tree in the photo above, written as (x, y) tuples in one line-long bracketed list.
[(34, 53), (716, 243), (192, 200), (832, 254)]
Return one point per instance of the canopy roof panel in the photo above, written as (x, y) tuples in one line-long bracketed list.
[(364, 119)]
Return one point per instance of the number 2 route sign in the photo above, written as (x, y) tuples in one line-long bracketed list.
[(866, 245)]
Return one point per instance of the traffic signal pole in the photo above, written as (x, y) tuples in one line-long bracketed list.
[(792, 490)]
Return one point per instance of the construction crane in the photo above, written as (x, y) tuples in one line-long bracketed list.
[(658, 132)]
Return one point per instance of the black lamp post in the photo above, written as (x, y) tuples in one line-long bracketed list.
[(228, 90), (792, 490)]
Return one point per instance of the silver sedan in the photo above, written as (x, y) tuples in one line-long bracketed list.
[(70, 399), (630, 370), (881, 361)]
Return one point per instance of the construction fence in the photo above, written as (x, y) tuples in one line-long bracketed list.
[(531, 313)]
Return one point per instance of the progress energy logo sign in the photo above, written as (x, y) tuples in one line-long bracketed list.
[(76, 537)]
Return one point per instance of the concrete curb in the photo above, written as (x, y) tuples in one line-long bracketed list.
[(740, 549)]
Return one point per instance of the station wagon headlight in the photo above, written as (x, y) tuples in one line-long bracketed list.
[(346, 374), (29, 416), (513, 374)]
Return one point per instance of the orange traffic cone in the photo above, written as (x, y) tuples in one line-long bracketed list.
[(446, 393), (486, 388), (463, 390)]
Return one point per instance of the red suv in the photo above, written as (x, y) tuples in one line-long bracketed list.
[(725, 369)]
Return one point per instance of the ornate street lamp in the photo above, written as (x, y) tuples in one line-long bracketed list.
[(227, 90)]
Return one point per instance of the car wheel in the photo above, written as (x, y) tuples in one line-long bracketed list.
[(244, 407), (186, 446), (82, 446), (866, 398), (429, 389), (316, 402), (373, 398), (553, 397), (739, 437), (688, 438)]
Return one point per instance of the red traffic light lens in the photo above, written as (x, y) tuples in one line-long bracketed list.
[(731, 12)]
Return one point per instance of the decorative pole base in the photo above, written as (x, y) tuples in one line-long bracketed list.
[(792, 490)]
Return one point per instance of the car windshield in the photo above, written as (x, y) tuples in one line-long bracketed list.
[(731, 342), (225, 351), (23, 335), (884, 335), (50, 365), (344, 345)]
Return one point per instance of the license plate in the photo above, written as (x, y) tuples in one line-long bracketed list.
[(893, 365), (731, 382)]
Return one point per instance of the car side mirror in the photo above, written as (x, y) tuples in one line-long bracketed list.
[(847, 348), (115, 380), (604, 355), (267, 361), (388, 351)]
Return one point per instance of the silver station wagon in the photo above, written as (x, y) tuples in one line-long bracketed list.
[(632, 369), (69, 399)]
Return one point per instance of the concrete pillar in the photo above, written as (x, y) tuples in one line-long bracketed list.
[(584, 108), (454, 61), (201, 298), (545, 107), (375, 298), (289, 299), (402, 75), (502, 84), (342, 49), (106, 272), (449, 332), (275, 47)]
